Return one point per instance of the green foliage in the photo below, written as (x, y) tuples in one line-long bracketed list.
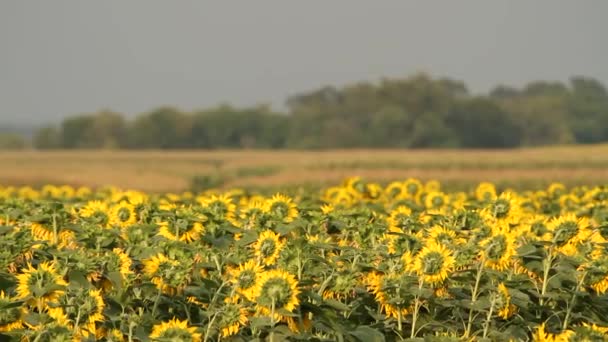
[(10, 141), (417, 112)]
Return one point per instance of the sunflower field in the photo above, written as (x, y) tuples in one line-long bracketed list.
[(354, 262)]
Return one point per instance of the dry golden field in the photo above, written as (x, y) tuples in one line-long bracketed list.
[(177, 170)]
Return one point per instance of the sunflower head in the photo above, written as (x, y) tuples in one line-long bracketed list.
[(41, 285), (485, 192), (175, 330), (123, 214), (95, 212), (268, 247), (281, 208), (276, 290), (10, 319), (434, 263), (234, 316), (245, 277)]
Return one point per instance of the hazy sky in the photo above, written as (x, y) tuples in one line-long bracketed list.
[(60, 57)]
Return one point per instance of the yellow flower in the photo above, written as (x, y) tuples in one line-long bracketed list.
[(498, 250), (155, 268), (268, 247), (233, 317), (96, 210), (220, 207), (505, 308), (281, 207), (123, 215), (485, 192), (175, 330), (276, 290), (394, 299), (434, 263), (506, 208), (567, 231), (41, 285), (435, 200), (245, 278)]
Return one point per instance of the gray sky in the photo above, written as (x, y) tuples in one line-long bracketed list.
[(60, 58)]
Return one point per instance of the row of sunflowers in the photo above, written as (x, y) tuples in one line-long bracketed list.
[(355, 262)]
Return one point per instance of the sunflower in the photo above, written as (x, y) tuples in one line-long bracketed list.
[(485, 192), (444, 236), (395, 190), (267, 247), (82, 306), (498, 250), (282, 208), (252, 214), (10, 319), (326, 209), (435, 200), (401, 218), (65, 238), (555, 190), (505, 308), (391, 293), (276, 290), (185, 226), (96, 211), (123, 214), (41, 285), (507, 208), (341, 287), (597, 272), (161, 271), (234, 316), (220, 208), (434, 263), (175, 330), (413, 187), (245, 277), (567, 231)]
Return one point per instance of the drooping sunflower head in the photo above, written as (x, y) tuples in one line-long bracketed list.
[(123, 214), (341, 287), (245, 277), (281, 208), (40, 285), (276, 289), (268, 247), (234, 316), (434, 263), (185, 225), (555, 190), (82, 306), (175, 330)]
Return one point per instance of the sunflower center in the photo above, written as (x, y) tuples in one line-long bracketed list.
[(565, 231), (267, 247), (276, 290), (280, 208), (246, 279), (501, 208), (124, 214), (437, 201), (432, 263), (497, 247)]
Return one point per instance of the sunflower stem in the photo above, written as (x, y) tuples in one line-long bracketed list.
[(467, 332), (54, 228), (569, 310), (547, 264), (156, 301), (417, 305), (272, 307), (486, 324)]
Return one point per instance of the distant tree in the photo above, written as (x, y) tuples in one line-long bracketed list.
[(47, 138), (10, 141)]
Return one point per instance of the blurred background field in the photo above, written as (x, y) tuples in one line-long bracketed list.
[(174, 171)]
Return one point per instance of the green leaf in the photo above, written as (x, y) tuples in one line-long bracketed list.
[(367, 334)]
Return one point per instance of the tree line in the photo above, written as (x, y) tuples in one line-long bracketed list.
[(414, 112)]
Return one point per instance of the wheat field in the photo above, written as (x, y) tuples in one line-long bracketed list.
[(177, 170)]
